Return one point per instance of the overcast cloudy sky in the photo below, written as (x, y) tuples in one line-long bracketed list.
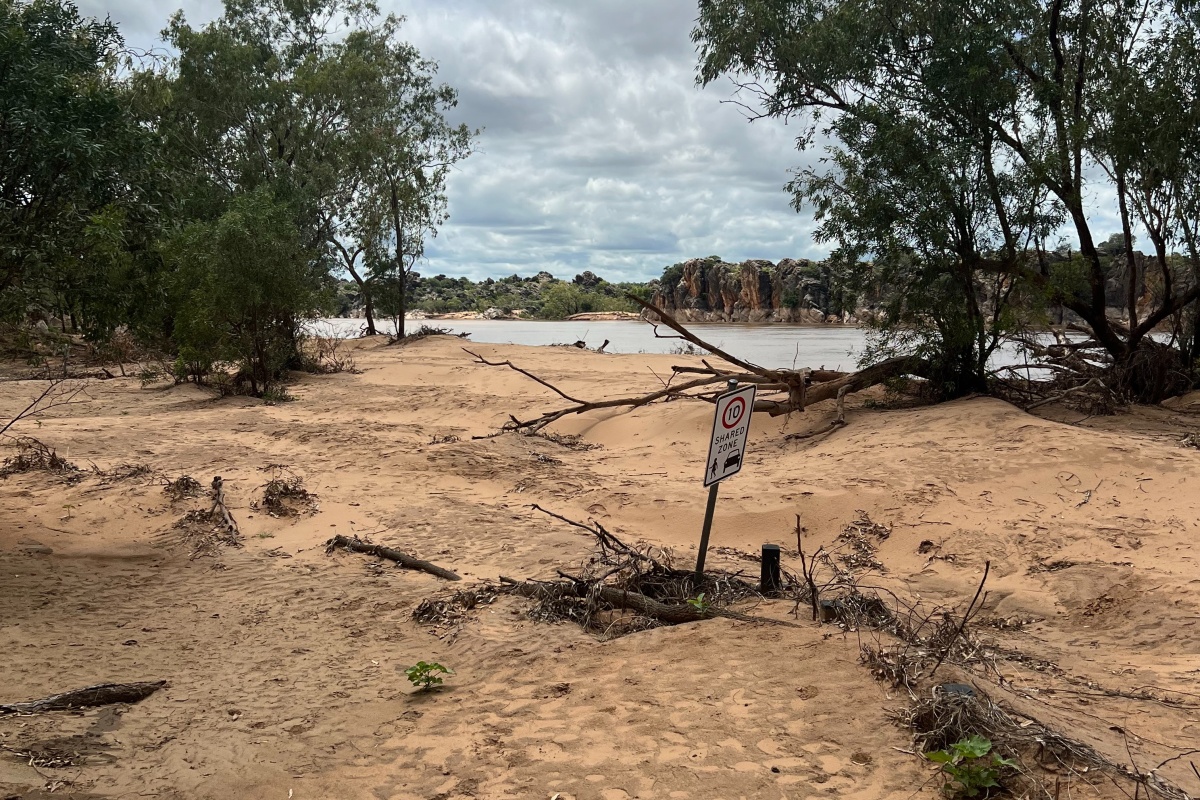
[(598, 151)]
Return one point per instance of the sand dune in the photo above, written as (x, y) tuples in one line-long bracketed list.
[(285, 664)]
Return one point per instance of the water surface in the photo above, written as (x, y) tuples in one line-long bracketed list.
[(775, 346)]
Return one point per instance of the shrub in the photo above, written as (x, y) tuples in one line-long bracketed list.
[(971, 765), (241, 284), (424, 675)]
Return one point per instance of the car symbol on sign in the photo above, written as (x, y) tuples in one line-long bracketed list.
[(734, 459)]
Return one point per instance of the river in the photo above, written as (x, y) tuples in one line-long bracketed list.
[(773, 346), (776, 346)]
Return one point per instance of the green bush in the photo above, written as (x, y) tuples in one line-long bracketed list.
[(241, 285), (971, 765), (425, 675)]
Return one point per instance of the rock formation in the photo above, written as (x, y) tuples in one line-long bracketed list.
[(711, 290)]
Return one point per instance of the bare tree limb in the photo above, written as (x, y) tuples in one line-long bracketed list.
[(581, 406), (674, 325), (54, 395), (379, 551)]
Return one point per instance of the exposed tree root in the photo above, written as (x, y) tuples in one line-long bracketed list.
[(672, 614), (220, 511)]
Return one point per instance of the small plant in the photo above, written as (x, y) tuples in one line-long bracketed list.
[(425, 675), (699, 603), (971, 765)]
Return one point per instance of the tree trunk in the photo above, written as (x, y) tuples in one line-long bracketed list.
[(402, 281), (401, 277), (368, 301)]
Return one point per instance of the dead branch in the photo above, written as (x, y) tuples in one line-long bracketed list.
[(987, 567), (379, 551), (57, 393), (838, 422), (582, 406), (100, 695), (606, 539), (219, 507), (802, 386), (808, 568), (676, 326)]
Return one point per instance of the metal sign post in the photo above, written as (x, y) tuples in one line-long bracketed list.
[(726, 452)]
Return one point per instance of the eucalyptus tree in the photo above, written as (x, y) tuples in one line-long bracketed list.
[(402, 148), (313, 119), (1061, 109), (322, 102)]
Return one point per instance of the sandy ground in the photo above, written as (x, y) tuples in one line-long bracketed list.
[(285, 664)]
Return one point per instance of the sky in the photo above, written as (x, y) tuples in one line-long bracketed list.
[(598, 151)]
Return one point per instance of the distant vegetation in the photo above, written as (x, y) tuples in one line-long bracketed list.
[(540, 296)]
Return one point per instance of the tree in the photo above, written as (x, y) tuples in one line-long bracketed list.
[(407, 151), (1030, 95), (563, 300), (240, 283), (75, 168), (263, 99)]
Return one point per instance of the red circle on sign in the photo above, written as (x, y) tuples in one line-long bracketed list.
[(740, 404)]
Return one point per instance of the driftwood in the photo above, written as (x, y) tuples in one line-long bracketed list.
[(403, 559), (673, 614), (793, 389), (219, 507), (100, 695)]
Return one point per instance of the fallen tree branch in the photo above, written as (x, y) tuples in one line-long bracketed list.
[(606, 539), (581, 406), (987, 567), (802, 386), (838, 422), (673, 614), (403, 559), (676, 326), (102, 694)]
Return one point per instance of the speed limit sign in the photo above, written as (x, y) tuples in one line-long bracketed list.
[(731, 428)]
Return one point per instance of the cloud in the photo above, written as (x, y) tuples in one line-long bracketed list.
[(598, 151)]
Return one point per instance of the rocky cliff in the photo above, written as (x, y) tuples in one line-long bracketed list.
[(711, 290)]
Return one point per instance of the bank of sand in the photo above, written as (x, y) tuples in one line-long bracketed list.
[(285, 664)]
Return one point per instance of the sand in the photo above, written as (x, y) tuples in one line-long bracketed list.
[(285, 664)]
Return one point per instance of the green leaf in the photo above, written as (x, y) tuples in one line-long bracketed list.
[(973, 747), (940, 757)]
